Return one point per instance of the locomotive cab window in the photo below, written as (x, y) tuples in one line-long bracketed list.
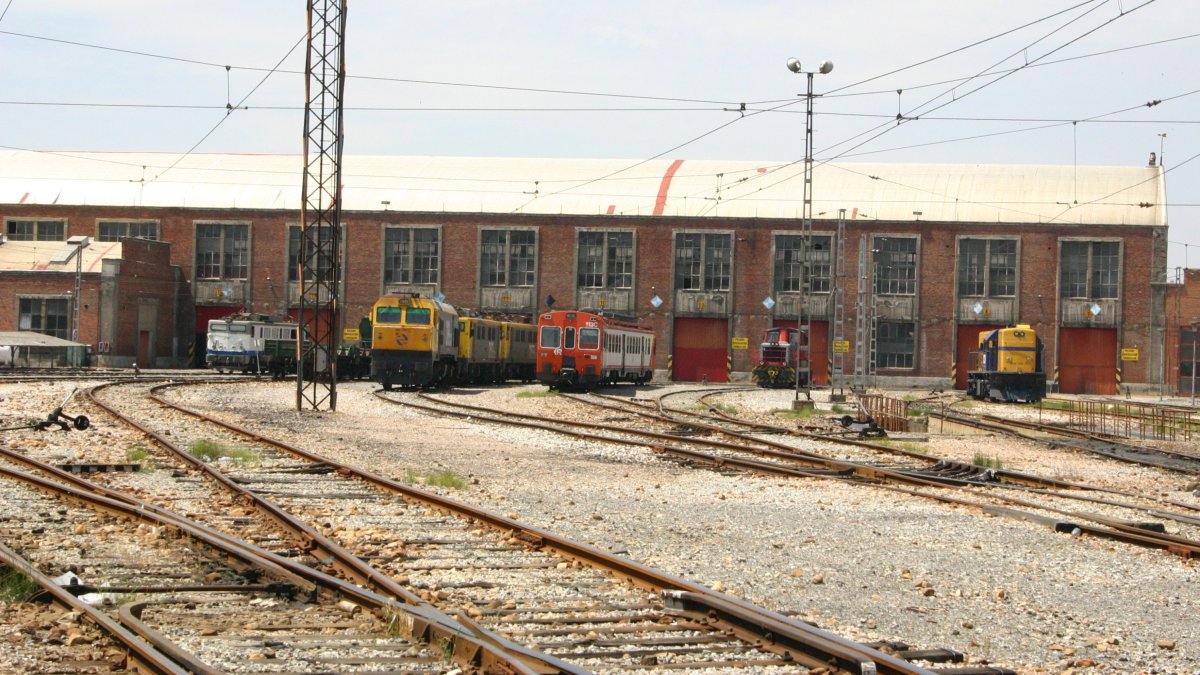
[(388, 315), (589, 338), (551, 337), (417, 316), (569, 338)]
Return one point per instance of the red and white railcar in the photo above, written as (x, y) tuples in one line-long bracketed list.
[(580, 350)]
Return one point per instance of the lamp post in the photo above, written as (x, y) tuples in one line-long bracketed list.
[(80, 243), (804, 317)]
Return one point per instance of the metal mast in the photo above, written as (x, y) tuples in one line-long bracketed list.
[(804, 318), (864, 330), (838, 371), (321, 209)]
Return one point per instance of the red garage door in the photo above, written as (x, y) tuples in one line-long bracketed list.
[(820, 352), (1087, 360), (700, 350), (967, 353)]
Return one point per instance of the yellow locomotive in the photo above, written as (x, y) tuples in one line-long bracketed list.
[(1010, 366), (414, 341), (421, 342)]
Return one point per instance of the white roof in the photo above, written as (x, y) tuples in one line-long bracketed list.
[(40, 256), (890, 192)]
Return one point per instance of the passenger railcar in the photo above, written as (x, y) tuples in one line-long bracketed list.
[(1010, 366), (414, 341), (518, 350), (778, 356), (251, 344), (580, 350)]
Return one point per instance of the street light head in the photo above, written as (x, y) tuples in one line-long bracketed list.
[(793, 64), (826, 67)]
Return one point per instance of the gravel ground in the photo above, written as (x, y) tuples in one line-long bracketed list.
[(864, 563)]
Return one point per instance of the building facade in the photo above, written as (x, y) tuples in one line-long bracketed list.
[(902, 268)]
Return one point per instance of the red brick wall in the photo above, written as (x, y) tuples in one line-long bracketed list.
[(752, 267)]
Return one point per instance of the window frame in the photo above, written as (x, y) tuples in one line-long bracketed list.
[(230, 257), (126, 225), (985, 276), (895, 268), (605, 259), (510, 260), (790, 261), (26, 315), (38, 229), (407, 258), (1090, 269), (701, 264), (897, 359)]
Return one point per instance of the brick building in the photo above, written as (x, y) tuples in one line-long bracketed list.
[(906, 263), (1182, 367), (129, 299)]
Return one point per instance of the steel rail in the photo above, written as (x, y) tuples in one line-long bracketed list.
[(840, 650), (1127, 452), (440, 624), (143, 657), (887, 479), (1010, 479), (422, 621)]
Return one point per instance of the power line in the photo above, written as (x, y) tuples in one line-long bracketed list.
[(203, 138), (958, 80), (888, 127)]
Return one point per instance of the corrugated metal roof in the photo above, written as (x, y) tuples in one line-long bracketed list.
[(35, 256), (892, 192)]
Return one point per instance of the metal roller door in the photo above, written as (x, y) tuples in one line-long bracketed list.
[(701, 350), (1087, 359), (820, 353), (967, 352)]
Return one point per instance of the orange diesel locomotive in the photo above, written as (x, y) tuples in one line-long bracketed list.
[(581, 350)]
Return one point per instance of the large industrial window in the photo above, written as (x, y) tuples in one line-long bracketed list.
[(36, 230), (1090, 269), (895, 261), (987, 268), (507, 258), (1189, 360), (605, 260), (115, 230), (703, 262), (48, 316), (411, 255), (789, 263), (894, 344), (323, 259), (222, 250)]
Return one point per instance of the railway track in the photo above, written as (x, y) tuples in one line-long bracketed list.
[(1136, 519), (1104, 445), (572, 606), (178, 597)]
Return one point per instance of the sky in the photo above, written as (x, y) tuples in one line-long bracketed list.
[(1024, 82)]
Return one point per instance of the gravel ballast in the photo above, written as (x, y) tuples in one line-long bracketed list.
[(865, 563)]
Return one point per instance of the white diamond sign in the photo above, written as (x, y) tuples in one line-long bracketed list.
[(656, 301), (769, 302)]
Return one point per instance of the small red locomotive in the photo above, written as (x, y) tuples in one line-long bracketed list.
[(581, 350), (779, 353)]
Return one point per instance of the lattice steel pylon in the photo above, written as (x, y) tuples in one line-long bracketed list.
[(321, 208)]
